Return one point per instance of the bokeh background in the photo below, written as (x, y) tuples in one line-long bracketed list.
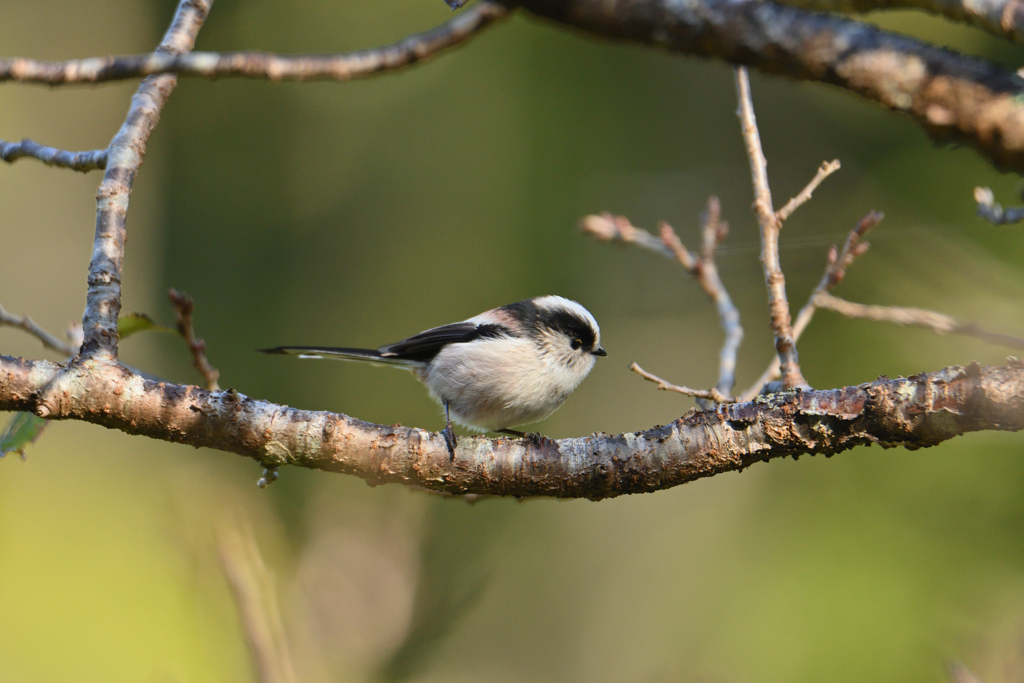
[(357, 213)]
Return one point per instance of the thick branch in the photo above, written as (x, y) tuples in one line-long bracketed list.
[(127, 149), (51, 156), (1004, 18), (951, 95), (914, 412), (339, 67)]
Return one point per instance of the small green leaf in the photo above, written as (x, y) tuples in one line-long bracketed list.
[(129, 324), (23, 429)]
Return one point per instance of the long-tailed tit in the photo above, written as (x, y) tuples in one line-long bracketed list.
[(505, 367)]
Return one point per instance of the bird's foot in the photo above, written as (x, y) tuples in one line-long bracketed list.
[(450, 440), (535, 438)]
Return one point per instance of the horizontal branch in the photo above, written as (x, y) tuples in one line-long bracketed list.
[(949, 94), (51, 156), (340, 67), (914, 412), (1004, 18)]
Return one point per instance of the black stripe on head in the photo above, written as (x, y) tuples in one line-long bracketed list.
[(535, 318)]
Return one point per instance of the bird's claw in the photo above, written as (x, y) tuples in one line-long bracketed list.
[(450, 440)]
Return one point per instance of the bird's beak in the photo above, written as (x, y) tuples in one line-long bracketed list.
[(599, 351)]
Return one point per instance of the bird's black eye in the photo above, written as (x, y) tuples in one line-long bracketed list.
[(576, 343)]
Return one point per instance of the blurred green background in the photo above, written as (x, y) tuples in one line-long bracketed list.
[(357, 213)]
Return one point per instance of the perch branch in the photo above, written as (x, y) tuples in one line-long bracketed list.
[(27, 324), (339, 67), (770, 224), (706, 394), (914, 317), (993, 212), (914, 412), (127, 149), (51, 156), (184, 306), (835, 271)]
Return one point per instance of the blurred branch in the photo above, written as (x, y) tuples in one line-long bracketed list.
[(1003, 18), (706, 394), (948, 94), (915, 317), (184, 306), (914, 412), (51, 156), (835, 271), (770, 223), (702, 267), (127, 149), (340, 67), (27, 324), (254, 591), (826, 169), (993, 212)]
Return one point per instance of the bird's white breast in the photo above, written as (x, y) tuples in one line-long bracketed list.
[(496, 383)]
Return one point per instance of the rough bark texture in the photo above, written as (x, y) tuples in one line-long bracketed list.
[(124, 157), (915, 412)]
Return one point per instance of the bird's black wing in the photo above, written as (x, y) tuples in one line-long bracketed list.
[(427, 344)]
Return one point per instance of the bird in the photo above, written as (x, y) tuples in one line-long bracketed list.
[(509, 366)]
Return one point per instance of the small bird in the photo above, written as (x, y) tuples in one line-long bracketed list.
[(507, 366)]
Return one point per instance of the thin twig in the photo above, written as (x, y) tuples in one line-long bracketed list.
[(915, 317), (702, 267), (339, 67), (51, 156), (835, 271), (253, 589), (127, 149), (184, 306), (610, 228), (711, 394), (992, 211), (27, 324), (826, 169), (778, 305)]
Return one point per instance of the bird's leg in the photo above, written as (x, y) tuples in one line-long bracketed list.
[(512, 432), (449, 433)]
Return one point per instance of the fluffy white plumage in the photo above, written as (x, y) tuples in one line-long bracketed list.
[(506, 367)]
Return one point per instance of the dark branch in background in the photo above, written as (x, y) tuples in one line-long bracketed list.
[(770, 223), (915, 317), (340, 67), (835, 271), (993, 212), (1003, 18), (915, 412), (702, 267), (51, 156), (127, 149), (184, 307), (949, 94)]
